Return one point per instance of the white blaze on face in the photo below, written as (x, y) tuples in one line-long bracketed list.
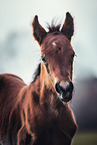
[(54, 44)]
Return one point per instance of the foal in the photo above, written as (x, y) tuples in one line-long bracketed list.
[(38, 114)]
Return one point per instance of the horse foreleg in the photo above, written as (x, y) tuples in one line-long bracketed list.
[(24, 138)]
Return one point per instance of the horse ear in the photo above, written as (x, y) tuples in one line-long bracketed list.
[(68, 26), (38, 31)]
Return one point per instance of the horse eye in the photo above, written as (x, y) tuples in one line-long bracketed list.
[(72, 56), (44, 59)]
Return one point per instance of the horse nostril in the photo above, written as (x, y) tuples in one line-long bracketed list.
[(70, 87), (57, 87)]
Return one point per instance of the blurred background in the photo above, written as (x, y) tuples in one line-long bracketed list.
[(20, 53)]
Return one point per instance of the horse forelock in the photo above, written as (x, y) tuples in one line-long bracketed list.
[(53, 27)]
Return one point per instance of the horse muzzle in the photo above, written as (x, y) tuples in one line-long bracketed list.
[(64, 91)]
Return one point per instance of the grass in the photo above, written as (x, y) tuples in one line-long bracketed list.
[(85, 139)]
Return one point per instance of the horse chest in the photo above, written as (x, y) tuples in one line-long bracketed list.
[(51, 136), (43, 118)]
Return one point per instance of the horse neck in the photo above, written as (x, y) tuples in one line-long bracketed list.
[(43, 87)]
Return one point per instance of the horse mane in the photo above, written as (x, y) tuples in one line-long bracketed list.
[(36, 73)]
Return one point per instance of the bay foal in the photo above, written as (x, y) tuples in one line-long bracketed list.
[(38, 114)]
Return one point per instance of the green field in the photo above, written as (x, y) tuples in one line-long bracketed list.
[(85, 139)]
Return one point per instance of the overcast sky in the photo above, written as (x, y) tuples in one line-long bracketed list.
[(17, 15)]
